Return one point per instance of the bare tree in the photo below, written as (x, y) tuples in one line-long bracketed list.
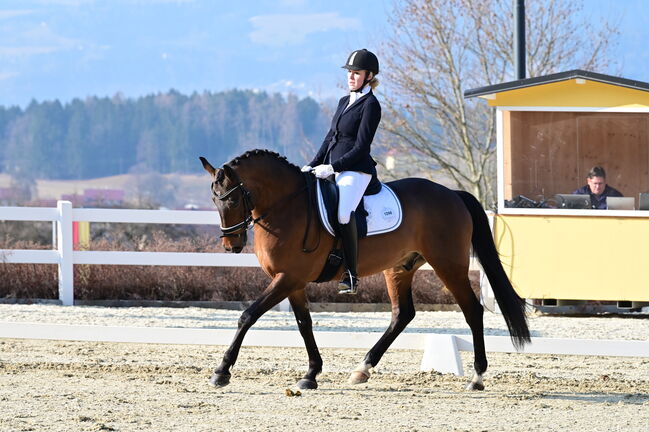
[(440, 48)]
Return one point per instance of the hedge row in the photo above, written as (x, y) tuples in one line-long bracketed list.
[(107, 282)]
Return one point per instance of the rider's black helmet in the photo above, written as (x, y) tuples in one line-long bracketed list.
[(362, 59)]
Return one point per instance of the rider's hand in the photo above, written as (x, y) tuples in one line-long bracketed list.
[(306, 168), (323, 171)]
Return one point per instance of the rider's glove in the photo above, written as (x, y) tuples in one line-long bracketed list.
[(306, 168), (323, 171)]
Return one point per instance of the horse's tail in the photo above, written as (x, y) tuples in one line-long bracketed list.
[(510, 303)]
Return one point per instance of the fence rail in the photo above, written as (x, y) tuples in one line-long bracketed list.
[(65, 257), (441, 352)]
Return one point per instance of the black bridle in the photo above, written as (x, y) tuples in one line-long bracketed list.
[(239, 229)]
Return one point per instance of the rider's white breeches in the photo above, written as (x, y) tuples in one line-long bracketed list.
[(351, 187)]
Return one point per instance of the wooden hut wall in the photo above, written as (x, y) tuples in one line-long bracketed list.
[(551, 152)]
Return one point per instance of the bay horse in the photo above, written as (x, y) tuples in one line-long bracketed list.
[(439, 226)]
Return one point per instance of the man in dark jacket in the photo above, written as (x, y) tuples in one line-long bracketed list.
[(597, 188)]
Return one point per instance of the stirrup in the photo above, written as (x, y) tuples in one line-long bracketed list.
[(348, 284)]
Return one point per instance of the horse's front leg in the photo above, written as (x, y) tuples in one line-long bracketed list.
[(300, 305), (399, 283), (278, 290)]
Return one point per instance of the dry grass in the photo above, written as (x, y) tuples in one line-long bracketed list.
[(108, 282)]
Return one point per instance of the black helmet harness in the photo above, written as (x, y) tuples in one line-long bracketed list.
[(363, 59)]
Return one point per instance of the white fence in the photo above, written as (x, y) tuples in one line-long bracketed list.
[(64, 255), (441, 352)]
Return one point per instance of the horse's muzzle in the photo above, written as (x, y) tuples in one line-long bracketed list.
[(233, 249), (234, 242)]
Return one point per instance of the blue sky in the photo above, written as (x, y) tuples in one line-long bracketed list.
[(62, 49)]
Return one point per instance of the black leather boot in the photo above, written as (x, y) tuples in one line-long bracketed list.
[(349, 282)]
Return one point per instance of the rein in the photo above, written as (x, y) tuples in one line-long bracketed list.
[(249, 221)]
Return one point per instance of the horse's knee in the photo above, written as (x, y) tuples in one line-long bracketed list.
[(406, 315), (401, 319), (246, 320)]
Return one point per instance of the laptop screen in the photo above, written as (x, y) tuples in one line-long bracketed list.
[(644, 201), (620, 203)]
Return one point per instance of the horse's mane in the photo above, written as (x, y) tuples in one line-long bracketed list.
[(262, 152)]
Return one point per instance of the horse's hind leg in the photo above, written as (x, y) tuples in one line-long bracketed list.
[(399, 281), (300, 306), (456, 279), (279, 289)]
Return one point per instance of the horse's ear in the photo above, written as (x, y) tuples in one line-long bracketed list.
[(208, 166)]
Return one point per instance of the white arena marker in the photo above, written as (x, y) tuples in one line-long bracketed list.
[(442, 355)]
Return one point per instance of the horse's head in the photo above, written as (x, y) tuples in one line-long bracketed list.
[(270, 180), (234, 204)]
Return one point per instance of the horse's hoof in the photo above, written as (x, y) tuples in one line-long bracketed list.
[(307, 384), (220, 380), (476, 383), (358, 377), (475, 386)]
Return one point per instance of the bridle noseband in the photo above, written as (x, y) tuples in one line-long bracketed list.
[(248, 221)]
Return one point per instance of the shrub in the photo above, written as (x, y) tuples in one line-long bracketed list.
[(110, 282)]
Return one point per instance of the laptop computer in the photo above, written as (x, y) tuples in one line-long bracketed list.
[(572, 201), (620, 203), (643, 202)]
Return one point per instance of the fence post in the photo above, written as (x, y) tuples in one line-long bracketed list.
[(64, 246)]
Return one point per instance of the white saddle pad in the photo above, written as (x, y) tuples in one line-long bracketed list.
[(383, 208)]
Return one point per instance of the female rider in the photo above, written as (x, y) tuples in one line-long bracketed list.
[(345, 152)]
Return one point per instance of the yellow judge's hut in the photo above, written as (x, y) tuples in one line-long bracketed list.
[(551, 131)]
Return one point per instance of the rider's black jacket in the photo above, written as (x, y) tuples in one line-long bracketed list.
[(347, 144)]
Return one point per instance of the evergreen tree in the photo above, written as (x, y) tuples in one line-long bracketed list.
[(160, 133)]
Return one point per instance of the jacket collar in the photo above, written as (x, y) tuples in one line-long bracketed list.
[(361, 96), (355, 95)]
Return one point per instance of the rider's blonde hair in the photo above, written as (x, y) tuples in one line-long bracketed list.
[(374, 82)]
